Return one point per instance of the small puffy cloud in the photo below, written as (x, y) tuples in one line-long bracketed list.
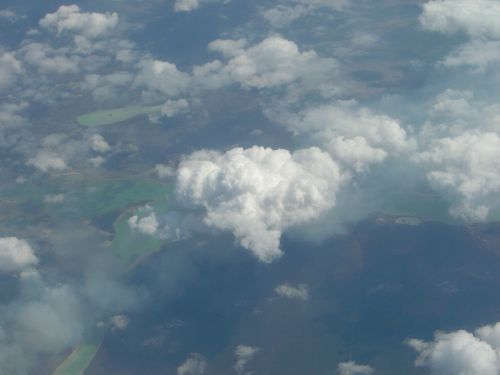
[(16, 255), (162, 76), (98, 144), (47, 161), (10, 69), (145, 222), (460, 352), (468, 165), (9, 15), (119, 322), (164, 171), (258, 192), (70, 18), (195, 364), (352, 368), (186, 5), (300, 291), (172, 108), (244, 354), (228, 47)]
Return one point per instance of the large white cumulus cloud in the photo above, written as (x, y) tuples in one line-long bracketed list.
[(461, 352), (258, 192)]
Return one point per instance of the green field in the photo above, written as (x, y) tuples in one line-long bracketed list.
[(78, 361), (116, 115)]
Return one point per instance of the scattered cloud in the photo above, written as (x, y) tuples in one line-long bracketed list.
[(195, 364), (352, 368), (244, 354), (301, 291)]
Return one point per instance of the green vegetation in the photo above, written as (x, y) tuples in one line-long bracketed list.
[(78, 361), (114, 116)]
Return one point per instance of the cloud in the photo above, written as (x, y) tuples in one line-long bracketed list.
[(16, 255), (9, 15), (460, 352), (70, 18), (51, 322), (195, 364), (172, 108), (258, 192), (477, 53), (353, 135), (273, 62), (145, 224), (10, 69), (468, 165), (244, 354), (477, 19), (352, 368), (119, 322), (300, 291), (164, 171), (107, 87), (186, 5), (98, 144), (49, 60), (162, 76), (288, 11), (60, 150), (47, 161)]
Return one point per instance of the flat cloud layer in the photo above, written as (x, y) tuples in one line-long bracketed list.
[(257, 193)]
